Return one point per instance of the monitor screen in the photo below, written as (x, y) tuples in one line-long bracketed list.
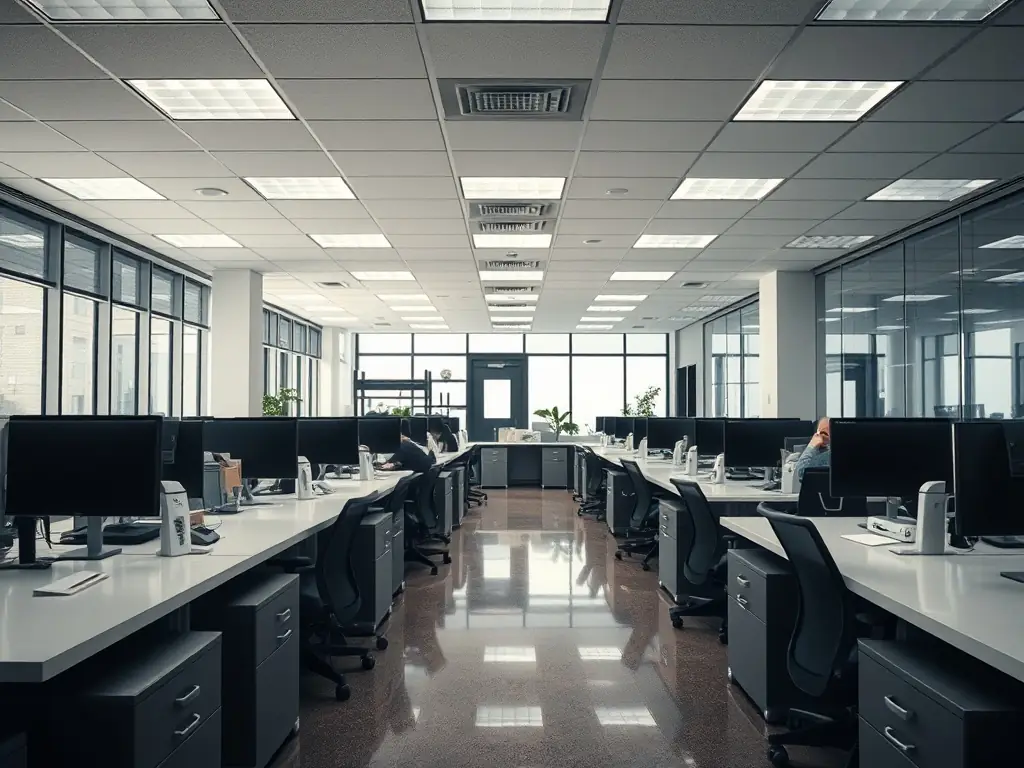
[(381, 434), (329, 440), (623, 427), (709, 435), (188, 465), (418, 429), (454, 424), (664, 433), (108, 466), (758, 442), (989, 498), (599, 424), (608, 424), (640, 430), (889, 457), (266, 446), (170, 439)]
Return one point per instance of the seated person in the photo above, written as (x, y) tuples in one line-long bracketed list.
[(816, 454), (409, 455), (443, 435)]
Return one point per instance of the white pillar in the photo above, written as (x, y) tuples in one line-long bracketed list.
[(330, 371), (895, 376), (236, 371), (788, 372)]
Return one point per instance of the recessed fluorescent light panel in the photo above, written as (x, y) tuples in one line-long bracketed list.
[(511, 327), (24, 241), (1014, 242), (511, 241), (610, 308), (105, 189), (513, 309), (850, 310), (594, 327), (429, 326), (512, 187), (929, 189), (525, 276), (909, 10), (351, 241), (380, 276), (640, 277), (620, 297), (515, 10), (829, 241), (674, 241), (724, 189), (301, 187), (214, 99), (413, 308), (524, 297), (201, 241), (917, 298), (816, 100), (126, 10), (421, 318)]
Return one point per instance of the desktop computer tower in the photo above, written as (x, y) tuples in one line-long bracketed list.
[(458, 495), (373, 567), (619, 501), (443, 502)]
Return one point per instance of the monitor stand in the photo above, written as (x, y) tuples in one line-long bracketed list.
[(94, 549), (1004, 542), (247, 499), (26, 527)]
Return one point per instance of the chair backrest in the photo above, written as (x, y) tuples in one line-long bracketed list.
[(708, 546), (824, 633), (595, 470), (424, 496), (816, 500), (335, 577), (397, 497), (641, 493)]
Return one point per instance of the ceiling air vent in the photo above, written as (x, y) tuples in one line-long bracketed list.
[(333, 284), (511, 289), (692, 284), (509, 265), (518, 210), (510, 227), (513, 100)]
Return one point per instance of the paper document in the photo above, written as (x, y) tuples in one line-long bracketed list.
[(869, 539)]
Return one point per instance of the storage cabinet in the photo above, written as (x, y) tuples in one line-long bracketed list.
[(398, 552), (494, 467), (372, 555), (443, 502), (458, 495), (619, 500), (554, 468)]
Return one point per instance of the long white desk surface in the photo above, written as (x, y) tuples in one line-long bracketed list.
[(961, 599)]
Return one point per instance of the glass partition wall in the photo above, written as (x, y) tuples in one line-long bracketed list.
[(732, 363)]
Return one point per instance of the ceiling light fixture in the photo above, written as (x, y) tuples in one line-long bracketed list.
[(909, 10), (601, 319), (511, 241), (724, 189), (917, 298), (512, 187), (829, 241), (640, 277), (1015, 242), (24, 240), (214, 99), (609, 308), (515, 10), (351, 241), (594, 327), (503, 308), (200, 241), (674, 241), (943, 190), (421, 318), (126, 10), (301, 187), (211, 192), (382, 276), (525, 276), (105, 189), (815, 100), (491, 298), (620, 297), (850, 310)]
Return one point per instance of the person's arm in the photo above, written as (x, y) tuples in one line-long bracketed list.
[(812, 456)]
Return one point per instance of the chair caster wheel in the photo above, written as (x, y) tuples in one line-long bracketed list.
[(618, 555), (382, 643), (723, 638), (677, 623), (446, 559), (645, 566), (369, 662), (342, 692), (778, 756), (433, 570)]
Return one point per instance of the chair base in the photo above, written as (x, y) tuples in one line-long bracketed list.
[(822, 731), (697, 606)]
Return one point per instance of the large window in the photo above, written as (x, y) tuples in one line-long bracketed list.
[(291, 351), (733, 363), (78, 356), (191, 381), (160, 348), (124, 362), (21, 347)]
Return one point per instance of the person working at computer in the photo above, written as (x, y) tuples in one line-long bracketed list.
[(443, 435), (816, 454), (409, 455)]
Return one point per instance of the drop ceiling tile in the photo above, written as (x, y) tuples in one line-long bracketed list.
[(598, 227), (612, 209), (430, 241), (670, 165), (968, 166), (9, 114), (791, 227), (952, 102), (637, 189), (365, 99), (587, 253), (34, 137), (830, 189), (250, 263), (706, 209), (692, 100), (423, 227), (904, 210), (762, 242), (294, 241), (539, 163), (414, 209), (809, 256), (436, 254), (688, 226), (143, 209), (721, 12), (263, 226), (404, 187), (613, 243), (277, 163), (513, 135), (173, 226), (299, 11), (33, 52), (777, 137), (77, 100), (859, 227), (211, 210), (320, 209), (797, 209), (250, 135), (76, 165), (369, 135), (865, 52), (749, 165), (196, 165), (992, 54), (648, 137), (6, 172), (393, 163), (863, 165), (125, 135), (166, 50), (222, 254), (325, 50), (905, 137), (38, 189), (185, 189), (310, 255), (1003, 138)]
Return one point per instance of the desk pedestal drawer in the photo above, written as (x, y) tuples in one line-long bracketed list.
[(877, 752), (201, 749)]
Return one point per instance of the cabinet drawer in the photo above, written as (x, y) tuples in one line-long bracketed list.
[(277, 620), (756, 580), (277, 691), (201, 749), (877, 752), (553, 454), (747, 654), (492, 455)]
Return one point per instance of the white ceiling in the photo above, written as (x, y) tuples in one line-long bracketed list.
[(360, 75)]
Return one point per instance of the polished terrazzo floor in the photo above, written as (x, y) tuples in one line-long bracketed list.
[(535, 647)]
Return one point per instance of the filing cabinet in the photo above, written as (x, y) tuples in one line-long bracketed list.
[(620, 500), (372, 555), (494, 467), (554, 468), (398, 552), (670, 564), (444, 502), (458, 494)]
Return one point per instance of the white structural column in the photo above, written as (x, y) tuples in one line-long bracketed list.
[(236, 330), (332, 346), (787, 318)]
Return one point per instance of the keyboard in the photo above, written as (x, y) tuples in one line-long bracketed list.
[(123, 534)]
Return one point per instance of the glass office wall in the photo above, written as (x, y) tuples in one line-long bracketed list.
[(292, 349), (732, 363), (931, 325)]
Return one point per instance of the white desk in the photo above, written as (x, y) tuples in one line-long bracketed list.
[(960, 599)]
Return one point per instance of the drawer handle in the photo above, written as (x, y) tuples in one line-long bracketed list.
[(187, 697), (743, 582), (190, 727), (743, 603), (903, 714), (904, 748), (284, 637), (284, 615)]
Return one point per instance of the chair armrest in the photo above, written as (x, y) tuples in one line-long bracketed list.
[(292, 564)]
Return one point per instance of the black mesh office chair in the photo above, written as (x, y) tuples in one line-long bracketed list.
[(704, 561), (820, 659), (641, 535), (595, 497), (816, 499), (421, 522)]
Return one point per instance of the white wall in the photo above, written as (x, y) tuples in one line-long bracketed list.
[(788, 327), (336, 373), (689, 347)]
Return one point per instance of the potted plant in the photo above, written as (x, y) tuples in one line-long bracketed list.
[(644, 403), (558, 421), (403, 410), (280, 404)]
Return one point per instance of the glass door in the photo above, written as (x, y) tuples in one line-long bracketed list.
[(497, 395)]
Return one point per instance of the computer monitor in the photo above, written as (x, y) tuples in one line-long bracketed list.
[(640, 430), (170, 439), (267, 446), (382, 434), (623, 427), (794, 444), (989, 491), (709, 436), (599, 424), (757, 442), (664, 433), (454, 424), (329, 440), (418, 428), (607, 425), (188, 466), (889, 457)]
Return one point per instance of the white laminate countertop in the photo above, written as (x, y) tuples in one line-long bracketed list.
[(959, 598)]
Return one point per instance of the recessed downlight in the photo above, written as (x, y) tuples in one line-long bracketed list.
[(211, 192)]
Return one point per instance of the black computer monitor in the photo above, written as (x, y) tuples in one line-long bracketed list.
[(889, 457), (640, 430), (664, 433), (382, 434), (188, 467), (989, 492), (709, 436), (607, 425), (329, 440), (793, 444), (170, 439), (758, 442), (454, 424), (599, 424), (623, 426), (418, 428), (267, 446)]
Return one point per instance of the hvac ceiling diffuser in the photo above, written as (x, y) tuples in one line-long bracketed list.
[(513, 100), (510, 265)]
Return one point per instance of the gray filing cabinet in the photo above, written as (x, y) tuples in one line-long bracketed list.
[(670, 562), (762, 605), (494, 467), (398, 552), (925, 707), (458, 495), (619, 501), (444, 502), (374, 572), (155, 706), (259, 620), (554, 467)]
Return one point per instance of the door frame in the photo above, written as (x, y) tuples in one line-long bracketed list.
[(496, 357)]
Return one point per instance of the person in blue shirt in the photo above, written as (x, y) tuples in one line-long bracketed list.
[(816, 454), (409, 455)]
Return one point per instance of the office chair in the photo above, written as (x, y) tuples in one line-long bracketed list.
[(820, 659), (476, 493), (329, 598), (595, 503), (642, 533), (421, 522), (704, 561), (816, 500)]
